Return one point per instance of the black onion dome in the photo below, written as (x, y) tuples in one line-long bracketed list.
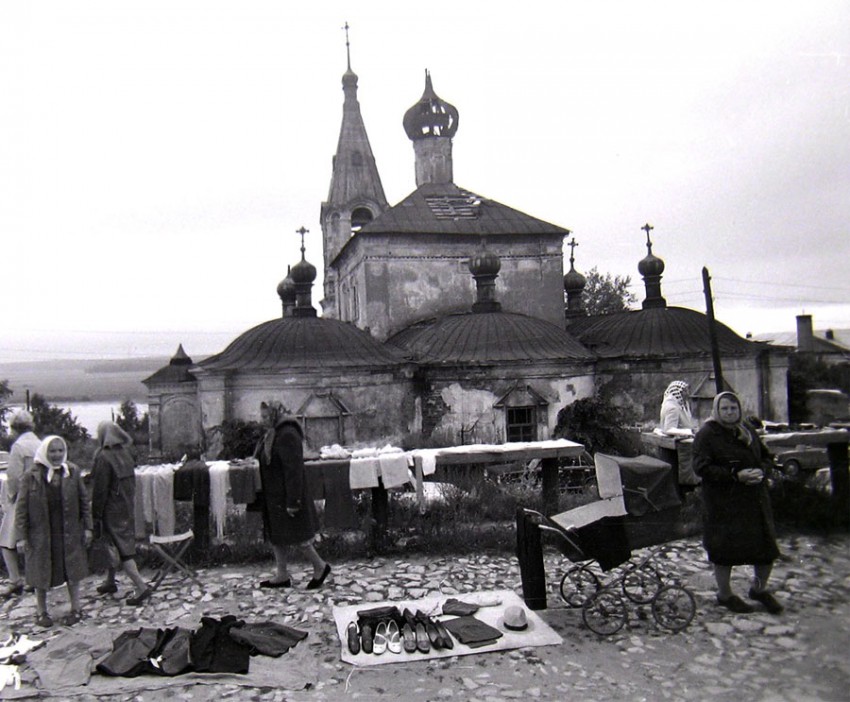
[(656, 332), (302, 343), (485, 263), (574, 281), (303, 272), (488, 337), (431, 116), (651, 265), (286, 289)]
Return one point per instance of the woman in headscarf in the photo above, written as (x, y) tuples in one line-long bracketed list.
[(738, 527), (289, 514), (53, 519), (676, 418), (113, 478)]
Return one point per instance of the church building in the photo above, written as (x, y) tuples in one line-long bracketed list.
[(443, 321)]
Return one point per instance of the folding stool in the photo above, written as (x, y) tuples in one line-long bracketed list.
[(171, 549)]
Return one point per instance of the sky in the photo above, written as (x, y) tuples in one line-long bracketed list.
[(157, 157)]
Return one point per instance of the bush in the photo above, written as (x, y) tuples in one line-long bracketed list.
[(599, 425), (238, 438)]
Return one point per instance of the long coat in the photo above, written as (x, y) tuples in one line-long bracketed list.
[(738, 526), (285, 486), (20, 459), (33, 525), (113, 480)]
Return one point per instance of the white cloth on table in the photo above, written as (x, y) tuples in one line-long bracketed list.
[(394, 470), (428, 458), (363, 473), (219, 484)]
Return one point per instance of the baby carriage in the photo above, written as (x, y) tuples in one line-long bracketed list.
[(638, 507)]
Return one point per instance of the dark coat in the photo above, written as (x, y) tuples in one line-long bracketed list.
[(284, 486), (113, 479), (738, 527), (33, 525)]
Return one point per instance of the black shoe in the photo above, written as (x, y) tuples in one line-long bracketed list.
[(771, 604), (316, 583), (353, 638), (366, 638), (107, 588), (274, 584), (137, 600), (735, 604), (15, 589)]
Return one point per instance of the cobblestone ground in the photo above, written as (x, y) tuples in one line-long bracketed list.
[(799, 655)]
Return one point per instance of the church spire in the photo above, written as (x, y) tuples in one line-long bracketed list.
[(651, 267), (356, 195)]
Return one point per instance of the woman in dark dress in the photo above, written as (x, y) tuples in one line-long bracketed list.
[(289, 514), (53, 521), (113, 478), (738, 529)]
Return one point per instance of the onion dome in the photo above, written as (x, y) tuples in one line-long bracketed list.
[(287, 293), (485, 263), (431, 116), (574, 281), (485, 338), (303, 272), (651, 267), (302, 344)]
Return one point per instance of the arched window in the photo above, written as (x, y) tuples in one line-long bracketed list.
[(360, 217)]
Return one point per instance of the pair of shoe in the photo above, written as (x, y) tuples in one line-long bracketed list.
[(428, 633), (73, 617), (15, 589), (316, 583), (771, 604), (109, 588), (387, 638), (274, 584), (139, 599), (735, 604), (43, 620)]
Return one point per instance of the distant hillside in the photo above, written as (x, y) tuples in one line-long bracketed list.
[(82, 380)]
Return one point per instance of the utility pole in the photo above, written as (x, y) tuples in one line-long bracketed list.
[(712, 331)]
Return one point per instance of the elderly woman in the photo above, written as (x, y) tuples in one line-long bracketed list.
[(53, 519), (113, 480), (289, 515), (20, 459), (738, 528)]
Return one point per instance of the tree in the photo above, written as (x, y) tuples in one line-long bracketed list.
[(50, 419), (604, 294), (129, 420), (598, 424)]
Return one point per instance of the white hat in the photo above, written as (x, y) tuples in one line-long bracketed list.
[(515, 618)]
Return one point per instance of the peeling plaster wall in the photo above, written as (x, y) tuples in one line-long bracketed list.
[(462, 408), (405, 278)]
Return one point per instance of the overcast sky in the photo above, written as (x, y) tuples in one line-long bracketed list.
[(156, 157)]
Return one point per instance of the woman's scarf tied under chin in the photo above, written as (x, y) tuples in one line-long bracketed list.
[(42, 458), (276, 412), (737, 428)]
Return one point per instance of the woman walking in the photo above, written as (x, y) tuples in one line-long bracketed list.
[(739, 529), (113, 479), (289, 515)]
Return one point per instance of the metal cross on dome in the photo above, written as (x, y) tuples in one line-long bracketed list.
[(302, 232), (648, 228), (572, 246)]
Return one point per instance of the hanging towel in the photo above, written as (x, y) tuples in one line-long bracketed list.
[(218, 495), (394, 471), (363, 473), (163, 500)]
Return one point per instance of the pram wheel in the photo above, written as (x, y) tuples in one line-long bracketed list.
[(674, 607), (604, 613), (641, 583), (578, 585)]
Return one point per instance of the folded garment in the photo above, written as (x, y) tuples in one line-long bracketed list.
[(267, 638), (455, 606), (471, 631)]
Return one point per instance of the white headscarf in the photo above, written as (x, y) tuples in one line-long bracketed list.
[(41, 457)]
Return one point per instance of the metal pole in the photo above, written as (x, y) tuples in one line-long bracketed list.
[(712, 331)]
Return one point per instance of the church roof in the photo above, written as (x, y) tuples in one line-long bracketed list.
[(177, 370), (444, 208), (656, 332), (302, 343), (485, 338)]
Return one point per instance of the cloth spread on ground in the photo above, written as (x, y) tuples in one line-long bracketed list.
[(65, 664), (538, 632)]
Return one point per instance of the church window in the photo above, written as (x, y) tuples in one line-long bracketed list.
[(521, 423), (360, 217), (355, 308)]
